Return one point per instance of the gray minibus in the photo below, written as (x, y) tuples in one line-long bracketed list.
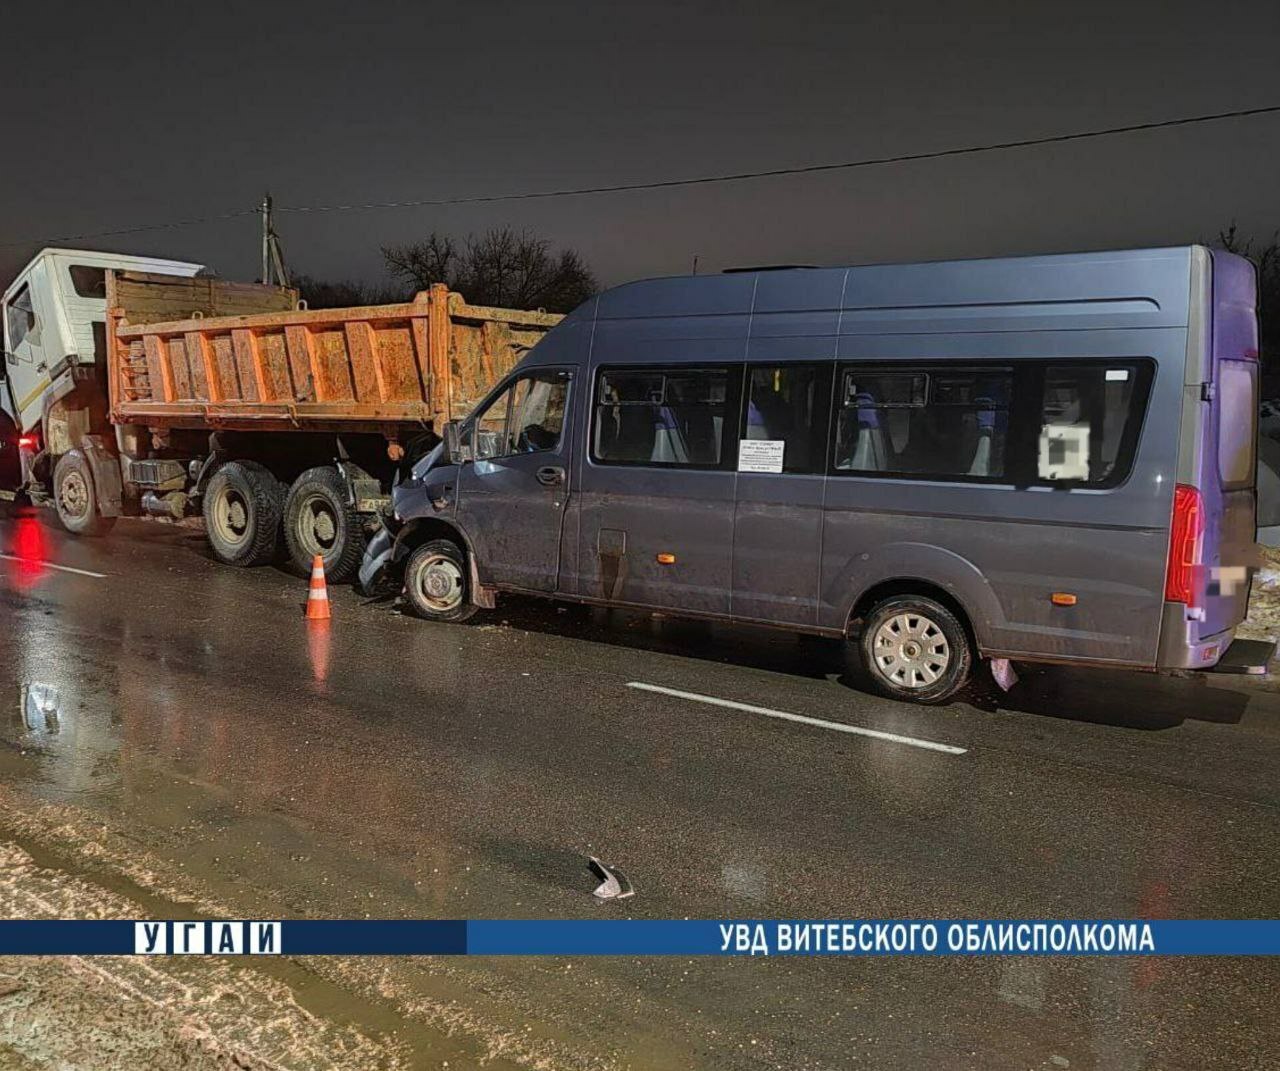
[(1039, 458)]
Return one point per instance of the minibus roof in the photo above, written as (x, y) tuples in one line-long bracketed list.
[(1123, 288)]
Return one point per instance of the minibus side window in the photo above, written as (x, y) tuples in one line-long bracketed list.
[(788, 407), (1090, 415), (661, 416), (937, 422)]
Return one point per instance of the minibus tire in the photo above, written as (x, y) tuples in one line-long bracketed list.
[(317, 502), (449, 563), (901, 669), (243, 505), (75, 497)]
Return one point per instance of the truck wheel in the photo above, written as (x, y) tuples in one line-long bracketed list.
[(914, 648), (435, 582), (318, 520), (242, 507), (75, 497)]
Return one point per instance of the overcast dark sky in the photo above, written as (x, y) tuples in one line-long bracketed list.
[(120, 114)]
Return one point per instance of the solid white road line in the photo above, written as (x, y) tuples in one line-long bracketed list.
[(50, 565), (835, 726)]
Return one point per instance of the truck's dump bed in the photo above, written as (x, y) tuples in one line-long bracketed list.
[(196, 353)]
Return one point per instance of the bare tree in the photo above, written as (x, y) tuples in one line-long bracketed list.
[(346, 293), (1266, 255), (504, 267)]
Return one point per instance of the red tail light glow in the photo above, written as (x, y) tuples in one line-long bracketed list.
[(27, 442), (1186, 545)]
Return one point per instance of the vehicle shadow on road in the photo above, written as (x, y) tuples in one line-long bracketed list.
[(743, 645), (1119, 698), (1115, 697)]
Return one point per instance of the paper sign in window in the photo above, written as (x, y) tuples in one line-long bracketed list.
[(1064, 452), (760, 455)]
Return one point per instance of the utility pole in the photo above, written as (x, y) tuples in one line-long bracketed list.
[(273, 269)]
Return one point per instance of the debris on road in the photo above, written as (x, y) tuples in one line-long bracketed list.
[(615, 885)]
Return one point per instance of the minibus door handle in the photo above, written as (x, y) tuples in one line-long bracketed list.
[(551, 476)]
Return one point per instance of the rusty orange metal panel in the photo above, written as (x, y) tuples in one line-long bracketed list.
[(304, 369), (365, 372), (275, 364), (440, 341), (249, 368), (158, 370), (372, 369), (393, 349), (335, 364)]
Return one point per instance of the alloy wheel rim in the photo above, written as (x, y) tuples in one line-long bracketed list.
[(910, 651)]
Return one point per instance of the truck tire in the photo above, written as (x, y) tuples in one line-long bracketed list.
[(243, 503), (436, 582), (319, 520), (75, 497), (914, 648)]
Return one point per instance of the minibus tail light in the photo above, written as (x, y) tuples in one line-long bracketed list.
[(1186, 544)]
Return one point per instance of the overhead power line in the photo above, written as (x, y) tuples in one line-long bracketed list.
[(810, 169), (140, 228), (666, 184)]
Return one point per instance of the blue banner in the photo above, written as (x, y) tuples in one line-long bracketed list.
[(731, 937)]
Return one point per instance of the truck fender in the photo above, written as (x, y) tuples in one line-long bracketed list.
[(207, 467), (107, 480)]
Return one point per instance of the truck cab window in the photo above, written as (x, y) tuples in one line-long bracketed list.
[(21, 316), (87, 281)]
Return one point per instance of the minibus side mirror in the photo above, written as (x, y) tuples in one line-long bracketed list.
[(457, 450)]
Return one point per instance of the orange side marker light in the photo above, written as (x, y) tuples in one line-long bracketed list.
[(1062, 598)]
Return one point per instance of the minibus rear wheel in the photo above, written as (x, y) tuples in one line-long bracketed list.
[(436, 584), (914, 648)]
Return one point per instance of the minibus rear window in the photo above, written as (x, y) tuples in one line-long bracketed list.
[(661, 417), (1237, 422)]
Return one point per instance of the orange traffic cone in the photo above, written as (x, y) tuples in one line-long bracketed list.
[(318, 596)]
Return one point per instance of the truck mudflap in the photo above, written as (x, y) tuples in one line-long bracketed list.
[(1246, 656)]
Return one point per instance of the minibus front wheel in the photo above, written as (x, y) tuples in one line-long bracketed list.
[(914, 648), (436, 584)]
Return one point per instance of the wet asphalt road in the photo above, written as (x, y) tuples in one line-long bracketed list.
[(392, 768)]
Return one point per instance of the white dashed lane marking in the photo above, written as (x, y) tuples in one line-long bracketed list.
[(834, 726), (49, 565)]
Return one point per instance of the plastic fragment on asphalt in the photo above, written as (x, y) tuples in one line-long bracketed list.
[(1003, 672), (615, 885)]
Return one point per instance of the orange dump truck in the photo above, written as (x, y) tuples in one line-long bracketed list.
[(283, 426)]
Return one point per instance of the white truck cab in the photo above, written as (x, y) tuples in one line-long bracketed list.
[(53, 376), (55, 318)]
